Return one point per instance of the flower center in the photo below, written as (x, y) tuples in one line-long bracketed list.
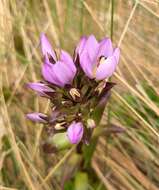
[(100, 60), (74, 93), (51, 59)]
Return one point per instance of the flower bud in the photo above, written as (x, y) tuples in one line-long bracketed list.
[(37, 117), (75, 132), (41, 88)]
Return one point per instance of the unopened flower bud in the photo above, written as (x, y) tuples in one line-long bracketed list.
[(37, 117), (75, 132), (41, 88)]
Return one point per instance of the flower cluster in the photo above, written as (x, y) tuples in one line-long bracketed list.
[(75, 86)]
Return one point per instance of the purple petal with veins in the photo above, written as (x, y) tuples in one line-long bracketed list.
[(86, 64), (106, 69), (98, 60), (63, 73), (91, 47), (59, 72), (49, 74), (67, 59), (81, 45), (105, 48)]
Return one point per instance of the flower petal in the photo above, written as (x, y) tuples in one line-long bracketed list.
[(88, 51), (75, 132), (106, 69), (91, 47), (81, 45), (63, 72), (105, 48), (67, 59), (40, 88), (86, 64), (46, 47), (37, 117), (49, 74)]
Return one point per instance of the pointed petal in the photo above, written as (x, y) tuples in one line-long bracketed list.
[(105, 48), (86, 64), (91, 46), (63, 73), (37, 117), (67, 59), (40, 88), (81, 45), (75, 132), (88, 55), (46, 47), (49, 74), (106, 69)]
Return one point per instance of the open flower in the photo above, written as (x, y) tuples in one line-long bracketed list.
[(57, 71), (97, 59), (75, 132), (37, 117)]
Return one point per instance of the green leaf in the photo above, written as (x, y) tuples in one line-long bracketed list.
[(88, 152), (69, 185), (81, 181)]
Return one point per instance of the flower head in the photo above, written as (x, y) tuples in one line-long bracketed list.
[(75, 132), (57, 71), (75, 99), (37, 117), (97, 59)]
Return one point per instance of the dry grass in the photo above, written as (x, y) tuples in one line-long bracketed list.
[(127, 161)]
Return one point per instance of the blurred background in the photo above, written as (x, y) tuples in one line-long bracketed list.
[(127, 160)]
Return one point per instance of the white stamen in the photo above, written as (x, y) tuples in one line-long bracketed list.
[(101, 60), (74, 93)]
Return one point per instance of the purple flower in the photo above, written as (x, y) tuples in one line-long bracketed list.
[(75, 132), (37, 117), (41, 88), (97, 59), (57, 71)]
